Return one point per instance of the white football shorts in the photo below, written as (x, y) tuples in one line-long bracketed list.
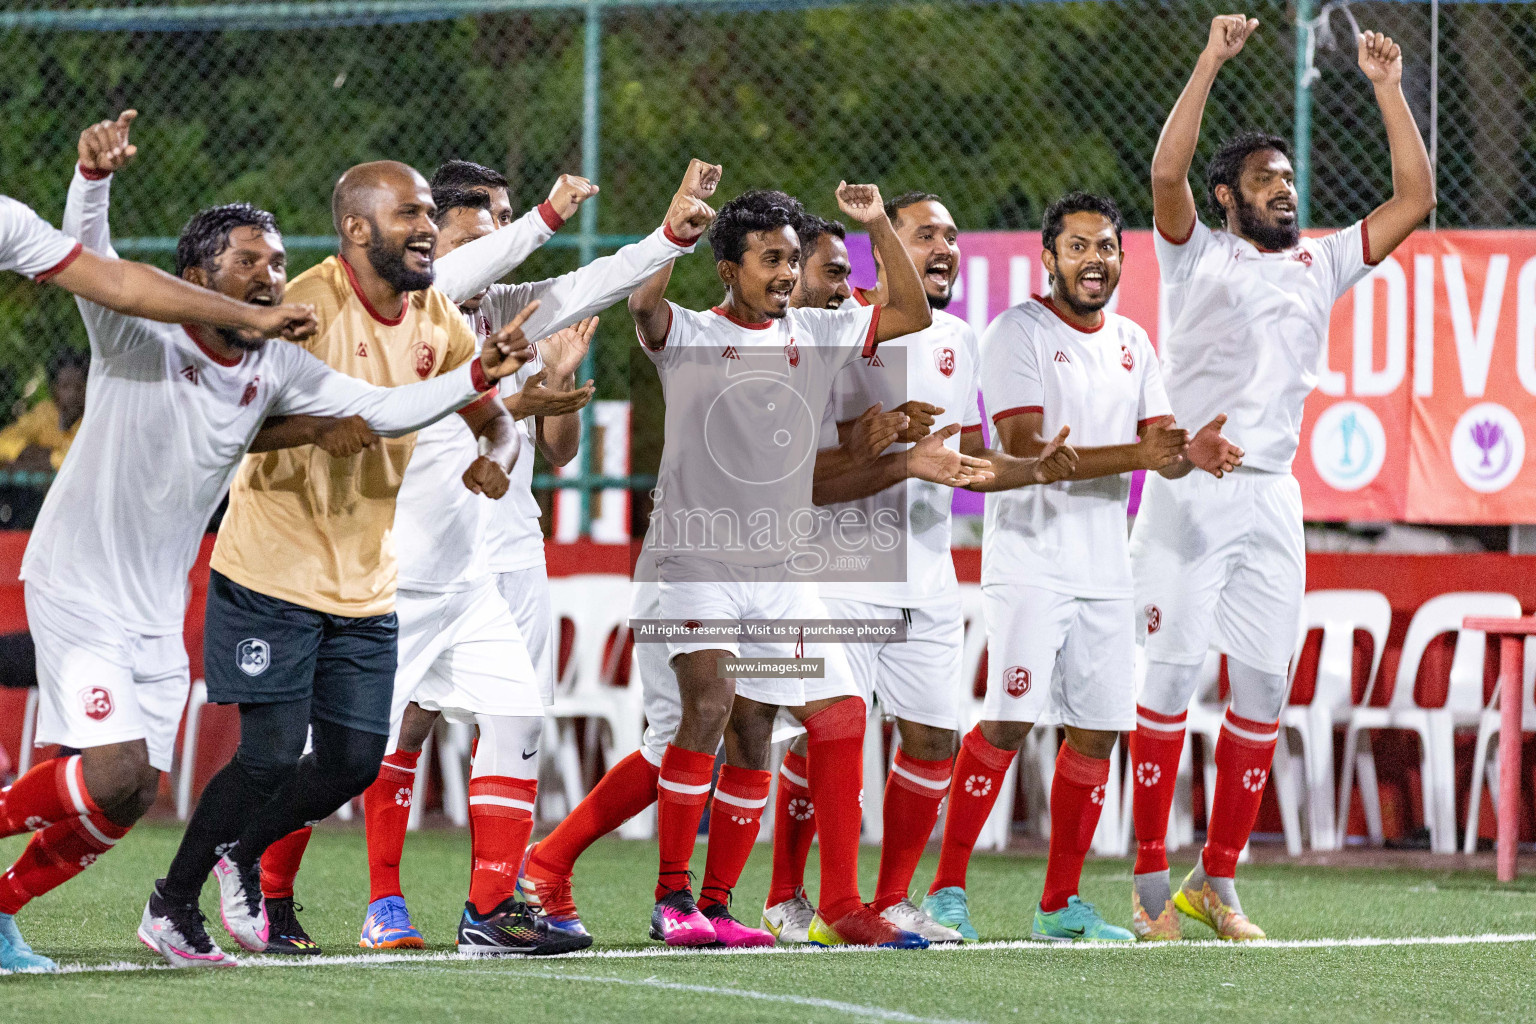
[(1055, 658), (527, 595), (462, 654), (101, 683), (1220, 563), (918, 680)]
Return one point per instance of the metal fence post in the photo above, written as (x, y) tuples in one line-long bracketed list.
[(591, 84), (1303, 132)]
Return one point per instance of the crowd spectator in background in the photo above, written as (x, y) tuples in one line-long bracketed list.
[(41, 437)]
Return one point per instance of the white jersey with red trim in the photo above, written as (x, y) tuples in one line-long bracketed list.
[(166, 424), (940, 365), (1247, 330), (448, 538), (30, 245), (745, 403), (1069, 536)]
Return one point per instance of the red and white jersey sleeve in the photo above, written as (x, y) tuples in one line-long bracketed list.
[(1069, 536), (1247, 331), (30, 245), (939, 365), (745, 404)]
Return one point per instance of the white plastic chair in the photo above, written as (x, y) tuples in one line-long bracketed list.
[(1434, 727), (186, 763), (1485, 763), (28, 732), (1338, 613), (597, 606), (995, 831)]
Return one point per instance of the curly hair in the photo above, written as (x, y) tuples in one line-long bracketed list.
[(206, 236), (1226, 166), (761, 209), (1078, 202)]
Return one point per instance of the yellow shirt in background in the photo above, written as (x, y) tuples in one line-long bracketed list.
[(316, 531), (39, 426)]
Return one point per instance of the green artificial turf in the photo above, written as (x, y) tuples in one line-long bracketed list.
[(91, 921)]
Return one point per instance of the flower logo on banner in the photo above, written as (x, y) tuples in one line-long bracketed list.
[(1349, 446), (1488, 447)]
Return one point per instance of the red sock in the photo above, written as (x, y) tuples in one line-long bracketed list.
[(794, 826), (913, 792), (280, 864), (1077, 798), (681, 792), (56, 854), (1156, 745), (386, 812), (1243, 755), (51, 792), (502, 811), (978, 779), (835, 772), (625, 790), (735, 815)]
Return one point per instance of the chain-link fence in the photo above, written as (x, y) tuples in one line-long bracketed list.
[(996, 106)]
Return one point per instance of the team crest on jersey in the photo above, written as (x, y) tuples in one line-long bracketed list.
[(945, 359), (1154, 619), (97, 703), (1061, 357), (249, 394), (252, 656), (1303, 257), (190, 373), (1016, 681), (1126, 359), (730, 353), (792, 353), (426, 359)]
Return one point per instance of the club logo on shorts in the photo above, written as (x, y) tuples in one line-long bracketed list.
[(97, 703), (426, 358), (792, 353), (1016, 681), (691, 625), (945, 358), (1154, 619), (253, 656), (1126, 359)]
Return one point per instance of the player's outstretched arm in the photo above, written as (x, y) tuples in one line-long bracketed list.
[(1173, 203), (1210, 450), (1413, 179), (475, 266), (1056, 460), (136, 289), (1022, 437), (840, 477), (906, 307), (339, 437)]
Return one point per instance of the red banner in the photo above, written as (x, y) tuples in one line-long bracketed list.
[(1430, 375)]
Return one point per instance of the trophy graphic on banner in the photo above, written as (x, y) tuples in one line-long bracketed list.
[(1347, 430), (1487, 435)]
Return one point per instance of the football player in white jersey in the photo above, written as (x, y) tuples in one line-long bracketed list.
[(1056, 579), (746, 384), (933, 377), (1222, 563), (106, 567)]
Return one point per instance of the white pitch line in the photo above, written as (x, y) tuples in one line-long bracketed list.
[(378, 959)]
